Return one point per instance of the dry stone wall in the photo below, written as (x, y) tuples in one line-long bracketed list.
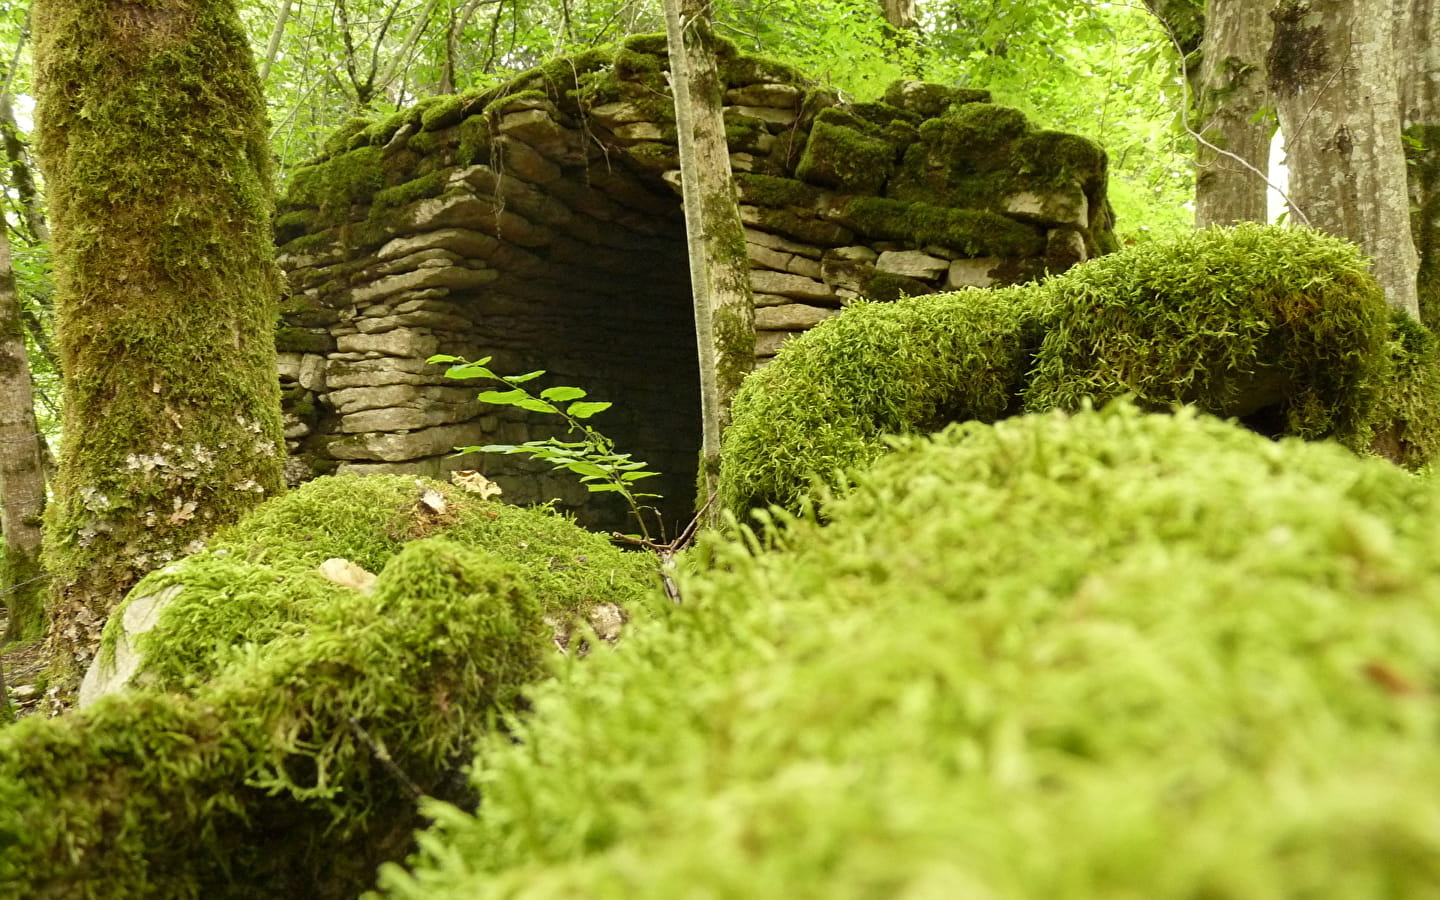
[(540, 224)]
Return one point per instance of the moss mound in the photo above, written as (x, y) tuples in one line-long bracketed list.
[(289, 722), (1282, 327), (260, 579), (1107, 655)]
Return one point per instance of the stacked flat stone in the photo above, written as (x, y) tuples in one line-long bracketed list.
[(540, 225)]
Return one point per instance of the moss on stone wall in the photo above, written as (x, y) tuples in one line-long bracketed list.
[(968, 231)]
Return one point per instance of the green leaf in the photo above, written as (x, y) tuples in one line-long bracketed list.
[(501, 448), (504, 398), (588, 469), (469, 370), (528, 376), (636, 476), (601, 487), (561, 394), (536, 405), (585, 410)]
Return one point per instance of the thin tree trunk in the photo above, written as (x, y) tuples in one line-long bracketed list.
[(719, 265), (151, 137), (22, 469), (1417, 33), (1332, 73), (276, 33), (1232, 115)]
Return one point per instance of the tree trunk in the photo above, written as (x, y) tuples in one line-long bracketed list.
[(1417, 31), (151, 137), (22, 178), (22, 469), (1332, 73), (1232, 116), (719, 264)]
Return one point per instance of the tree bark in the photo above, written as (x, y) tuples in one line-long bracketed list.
[(151, 137), (1332, 73), (1232, 116), (22, 469), (719, 264), (1417, 31)]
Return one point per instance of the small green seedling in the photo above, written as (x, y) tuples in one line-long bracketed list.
[(592, 457)]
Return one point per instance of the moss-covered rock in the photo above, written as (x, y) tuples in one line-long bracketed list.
[(287, 720), (1282, 327), (879, 368), (1108, 655)]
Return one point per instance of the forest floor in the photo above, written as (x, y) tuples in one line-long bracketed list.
[(24, 668)]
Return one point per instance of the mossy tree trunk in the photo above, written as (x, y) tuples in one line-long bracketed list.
[(1333, 75), (719, 264), (22, 468), (151, 138), (1418, 24), (1232, 115)]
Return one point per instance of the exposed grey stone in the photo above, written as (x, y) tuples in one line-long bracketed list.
[(742, 162), (1061, 206), (451, 277), (355, 399), (287, 366), (109, 673), (294, 427), (767, 114), (846, 274), (622, 112), (780, 96), (767, 258), (797, 286), (971, 273), (312, 372), (801, 265), (390, 370), (942, 252), (419, 318), (768, 343), (791, 317), (437, 467), (635, 132), (776, 242), (391, 343), (769, 299), (525, 162), (912, 264), (463, 242), (430, 257), (477, 212), (435, 441), (1064, 247), (404, 418), (857, 252)]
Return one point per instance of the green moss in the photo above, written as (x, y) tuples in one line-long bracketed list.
[(1406, 419), (768, 190), (1062, 158), (929, 99), (259, 579), (740, 70), (839, 156), (1237, 321), (1282, 327), (333, 186), (293, 339), (340, 139), (445, 112), (404, 194), (888, 286), (473, 141), (824, 404), (971, 232), (153, 142), (1184, 660), (425, 143), (655, 44), (273, 769), (382, 131), (293, 224), (499, 105)]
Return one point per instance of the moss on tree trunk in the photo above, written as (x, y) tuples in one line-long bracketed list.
[(151, 137)]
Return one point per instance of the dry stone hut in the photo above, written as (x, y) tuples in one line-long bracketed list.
[(540, 224)]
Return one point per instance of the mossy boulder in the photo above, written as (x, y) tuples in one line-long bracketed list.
[(1281, 327), (1102, 655), (286, 722)]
